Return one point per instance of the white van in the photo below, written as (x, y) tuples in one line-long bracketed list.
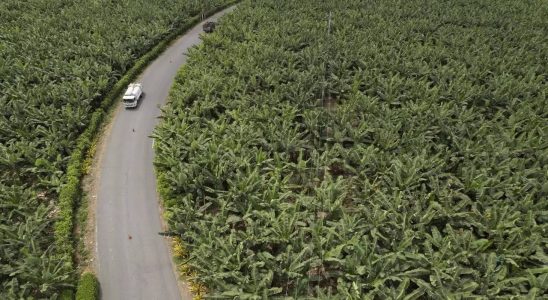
[(132, 95)]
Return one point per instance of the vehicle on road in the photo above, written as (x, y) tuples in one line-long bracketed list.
[(132, 95), (209, 27)]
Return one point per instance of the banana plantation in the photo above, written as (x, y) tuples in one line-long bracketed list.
[(57, 60), (357, 150)]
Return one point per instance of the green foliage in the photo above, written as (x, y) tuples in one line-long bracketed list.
[(88, 287), (402, 156), (54, 89), (66, 295)]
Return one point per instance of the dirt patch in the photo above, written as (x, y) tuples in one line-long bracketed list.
[(330, 103)]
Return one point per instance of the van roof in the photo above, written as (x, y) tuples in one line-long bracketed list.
[(132, 89)]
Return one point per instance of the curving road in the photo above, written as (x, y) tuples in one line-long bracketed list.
[(133, 261)]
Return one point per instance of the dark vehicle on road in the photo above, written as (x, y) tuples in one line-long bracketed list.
[(209, 27)]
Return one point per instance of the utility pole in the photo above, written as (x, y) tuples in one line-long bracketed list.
[(203, 9), (327, 60), (327, 54)]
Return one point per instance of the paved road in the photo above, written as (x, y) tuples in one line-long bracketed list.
[(133, 261)]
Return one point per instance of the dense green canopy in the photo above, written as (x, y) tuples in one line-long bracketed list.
[(401, 154)]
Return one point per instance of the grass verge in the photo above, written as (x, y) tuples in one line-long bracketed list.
[(88, 287)]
